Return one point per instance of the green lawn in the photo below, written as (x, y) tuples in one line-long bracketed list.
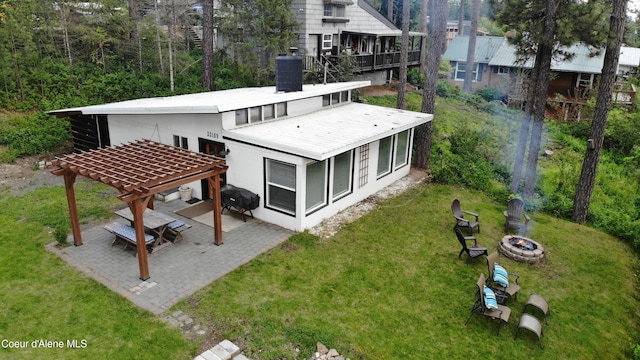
[(390, 286), (44, 299)]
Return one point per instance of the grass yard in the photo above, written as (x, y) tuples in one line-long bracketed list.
[(44, 299), (390, 286)]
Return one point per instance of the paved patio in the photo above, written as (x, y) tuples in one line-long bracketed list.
[(177, 271)]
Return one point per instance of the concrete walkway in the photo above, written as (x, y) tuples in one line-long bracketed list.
[(177, 271)]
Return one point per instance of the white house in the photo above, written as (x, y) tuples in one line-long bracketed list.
[(308, 154)]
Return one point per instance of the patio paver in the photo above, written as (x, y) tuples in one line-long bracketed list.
[(177, 271)]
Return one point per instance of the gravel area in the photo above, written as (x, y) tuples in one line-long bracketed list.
[(329, 227)]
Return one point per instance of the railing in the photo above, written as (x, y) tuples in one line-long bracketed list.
[(370, 62)]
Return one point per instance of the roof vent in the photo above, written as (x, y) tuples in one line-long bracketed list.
[(288, 72)]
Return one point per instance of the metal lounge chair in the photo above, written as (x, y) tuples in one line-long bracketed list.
[(514, 215), (509, 291), (461, 221), (501, 314), (473, 251)]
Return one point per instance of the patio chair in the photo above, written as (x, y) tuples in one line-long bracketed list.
[(487, 305), (514, 215), (503, 285), (461, 221), (473, 251)]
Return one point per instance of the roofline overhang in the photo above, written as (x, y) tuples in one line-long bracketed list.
[(320, 156)]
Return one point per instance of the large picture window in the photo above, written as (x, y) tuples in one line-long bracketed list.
[(402, 149), (384, 156), (281, 186), (316, 186), (342, 174)]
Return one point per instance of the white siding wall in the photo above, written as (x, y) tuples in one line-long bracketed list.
[(162, 128), (246, 162)]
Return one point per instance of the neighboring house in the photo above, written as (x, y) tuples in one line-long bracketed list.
[(308, 154), (453, 31), (333, 29), (572, 79), (483, 74)]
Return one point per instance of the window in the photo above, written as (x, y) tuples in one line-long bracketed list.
[(503, 70), (402, 149), (281, 109), (281, 186), (316, 186), (384, 157), (342, 174), (335, 98), (460, 71), (340, 10), (327, 39), (328, 10), (181, 142), (326, 100), (344, 96), (255, 114), (241, 117), (585, 81), (268, 112)]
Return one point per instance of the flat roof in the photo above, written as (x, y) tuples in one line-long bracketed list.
[(212, 102), (328, 132)]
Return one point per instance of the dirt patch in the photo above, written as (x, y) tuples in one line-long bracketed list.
[(384, 90), (26, 175)]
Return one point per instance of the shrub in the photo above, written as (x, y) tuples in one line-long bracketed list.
[(490, 94)]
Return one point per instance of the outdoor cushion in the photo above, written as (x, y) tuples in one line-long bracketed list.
[(490, 299), (500, 275)]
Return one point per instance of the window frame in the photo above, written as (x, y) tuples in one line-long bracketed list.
[(389, 165), (310, 209), (405, 161), (350, 155), (282, 187)]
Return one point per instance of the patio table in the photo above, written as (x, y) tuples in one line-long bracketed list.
[(154, 221)]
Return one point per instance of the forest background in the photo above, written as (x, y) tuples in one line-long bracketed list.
[(56, 55)]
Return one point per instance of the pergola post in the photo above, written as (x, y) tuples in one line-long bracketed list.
[(69, 180), (214, 187), (165, 167), (143, 261)]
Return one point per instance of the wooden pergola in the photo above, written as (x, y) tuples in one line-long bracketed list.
[(139, 170)]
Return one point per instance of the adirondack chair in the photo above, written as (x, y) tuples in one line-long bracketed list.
[(472, 251), (461, 221), (514, 215)]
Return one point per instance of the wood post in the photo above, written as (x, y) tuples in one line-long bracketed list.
[(214, 186), (69, 180), (137, 209)]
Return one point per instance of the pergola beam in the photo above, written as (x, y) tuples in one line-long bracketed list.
[(139, 170)]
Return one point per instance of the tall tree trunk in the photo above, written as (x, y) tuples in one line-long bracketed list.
[(545, 53), (207, 41), (424, 5), (158, 40), (587, 181), (390, 10), (521, 148), (471, 51), (404, 54), (461, 18), (134, 17), (438, 34)]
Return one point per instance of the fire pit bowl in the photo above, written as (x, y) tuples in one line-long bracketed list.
[(522, 249)]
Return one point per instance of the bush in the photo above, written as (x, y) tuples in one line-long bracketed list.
[(446, 90), (490, 94), (33, 135)]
